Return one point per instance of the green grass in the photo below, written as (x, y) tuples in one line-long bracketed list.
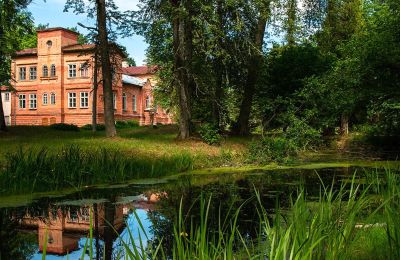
[(144, 142)]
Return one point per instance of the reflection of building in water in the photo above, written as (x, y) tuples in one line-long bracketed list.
[(64, 225)]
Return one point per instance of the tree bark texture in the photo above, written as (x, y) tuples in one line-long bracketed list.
[(95, 86), (254, 66), (182, 46), (344, 124), (3, 126), (109, 120)]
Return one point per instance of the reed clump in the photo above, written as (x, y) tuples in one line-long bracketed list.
[(40, 171)]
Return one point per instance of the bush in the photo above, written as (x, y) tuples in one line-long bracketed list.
[(126, 124), (99, 127), (65, 127), (302, 135), (271, 149), (209, 134)]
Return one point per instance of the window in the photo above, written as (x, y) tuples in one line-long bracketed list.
[(147, 102), (72, 70), (134, 103), (22, 101), (6, 97), (49, 43), (32, 101), (115, 100), (124, 101), (45, 71), (72, 100), (112, 73), (84, 99), (45, 99), (22, 73), (84, 70), (32, 73), (53, 70), (53, 98)]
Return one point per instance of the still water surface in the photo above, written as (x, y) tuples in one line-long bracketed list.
[(66, 220)]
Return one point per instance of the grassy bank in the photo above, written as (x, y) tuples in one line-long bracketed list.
[(143, 142)]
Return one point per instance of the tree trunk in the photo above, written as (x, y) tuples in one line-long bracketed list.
[(344, 124), (254, 66), (95, 86), (109, 121), (291, 22), (219, 70), (3, 126), (109, 229), (182, 46)]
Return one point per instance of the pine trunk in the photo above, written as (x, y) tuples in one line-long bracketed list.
[(95, 86), (109, 120)]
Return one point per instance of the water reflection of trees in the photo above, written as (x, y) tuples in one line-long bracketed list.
[(227, 195)]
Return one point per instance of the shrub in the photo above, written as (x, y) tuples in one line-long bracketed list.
[(65, 127), (99, 127), (121, 124), (302, 135), (271, 149), (210, 134), (133, 123)]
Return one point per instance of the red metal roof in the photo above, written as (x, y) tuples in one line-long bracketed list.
[(139, 70)]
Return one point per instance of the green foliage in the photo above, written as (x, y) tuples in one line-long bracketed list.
[(99, 127), (274, 149), (65, 127), (210, 134), (126, 124)]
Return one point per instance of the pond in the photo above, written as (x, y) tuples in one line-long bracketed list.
[(65, 220)]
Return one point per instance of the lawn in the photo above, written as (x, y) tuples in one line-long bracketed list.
[(145, 142)]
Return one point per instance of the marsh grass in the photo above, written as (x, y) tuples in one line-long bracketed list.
[(37, 171)]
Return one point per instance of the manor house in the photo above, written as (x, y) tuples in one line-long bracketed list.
[(53, 83)]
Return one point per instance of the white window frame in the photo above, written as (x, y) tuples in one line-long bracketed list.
[(32, 101), (22, 73), (53, 71), (45, 71), (71, 99), (71, 71), (45, 99), (148, 102), (84, 100), (53, 98), (134, 105), (84, 70), (124, 103), (22, 101), (32, 73), (114, 100)]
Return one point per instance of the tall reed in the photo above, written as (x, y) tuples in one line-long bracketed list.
[(35, 171)]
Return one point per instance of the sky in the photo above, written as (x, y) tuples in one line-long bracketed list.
[(51, 12)]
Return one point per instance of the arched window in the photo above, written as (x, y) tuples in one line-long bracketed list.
[(45, 99), (53, 70), (123, 101), (45, 71), (53, 98), (148, 102)]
